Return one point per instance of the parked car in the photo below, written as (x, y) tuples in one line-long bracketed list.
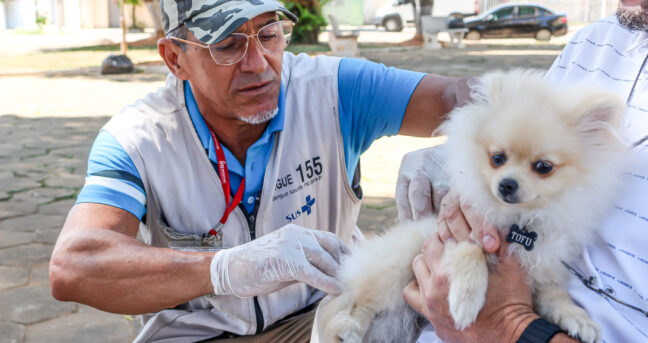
[(517, 20), (394, 15)]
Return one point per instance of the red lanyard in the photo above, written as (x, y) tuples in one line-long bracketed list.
[(223, 173)]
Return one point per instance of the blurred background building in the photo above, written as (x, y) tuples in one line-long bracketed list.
[(75, 14)]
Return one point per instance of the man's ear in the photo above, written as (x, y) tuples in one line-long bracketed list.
[(171, 53)]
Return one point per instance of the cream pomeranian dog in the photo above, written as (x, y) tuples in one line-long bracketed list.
[(537, 160)]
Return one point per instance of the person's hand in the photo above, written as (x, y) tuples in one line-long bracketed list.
[(276, 260), (421, 183), (507, 311), (458, 221), (508, 308)]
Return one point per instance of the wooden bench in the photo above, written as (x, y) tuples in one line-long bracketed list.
[(432, 26), (342, 43)]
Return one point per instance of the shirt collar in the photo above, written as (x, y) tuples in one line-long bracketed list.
[(640, 45), (275, 124)]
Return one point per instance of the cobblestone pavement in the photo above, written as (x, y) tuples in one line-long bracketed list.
[(47, 124), (42, 165)]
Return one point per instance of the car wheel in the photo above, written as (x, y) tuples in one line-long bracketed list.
[(393, 24), (473, 35), (543, 35)]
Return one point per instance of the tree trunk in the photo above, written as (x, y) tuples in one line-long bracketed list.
[(425, 7)]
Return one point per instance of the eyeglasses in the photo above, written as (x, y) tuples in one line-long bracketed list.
[(272, 38)]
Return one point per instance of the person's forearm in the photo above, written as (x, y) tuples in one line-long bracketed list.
[(434, 97), (116, 273)]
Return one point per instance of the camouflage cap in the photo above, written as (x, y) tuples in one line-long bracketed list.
[(213, 20)]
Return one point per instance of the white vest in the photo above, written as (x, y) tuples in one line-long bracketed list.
[(183, 190)]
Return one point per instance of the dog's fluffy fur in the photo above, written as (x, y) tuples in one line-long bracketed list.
[(526, 119)]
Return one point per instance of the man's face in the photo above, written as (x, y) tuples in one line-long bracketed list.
[(247, 90), (633, 14)]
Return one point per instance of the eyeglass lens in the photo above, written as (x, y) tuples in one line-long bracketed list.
[(272, 38)]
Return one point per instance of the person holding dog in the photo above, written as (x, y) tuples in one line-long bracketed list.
[(239, 177), (610, 282)]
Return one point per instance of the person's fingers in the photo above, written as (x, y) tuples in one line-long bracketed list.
[(432, 249), (323, 261), (449, 206), (443, 231), (413, 297), (487, 234), (457, 226), (315, 278), (331, 243), (420, 268), (411, 294), (402, 198), (420, 195), (439, 191)]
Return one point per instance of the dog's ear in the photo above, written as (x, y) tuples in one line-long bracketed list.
[(599, 115)]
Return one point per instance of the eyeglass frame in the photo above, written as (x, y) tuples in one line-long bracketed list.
[(247, 43)]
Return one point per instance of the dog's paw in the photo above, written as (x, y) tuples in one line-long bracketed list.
[(577, 323), (468, 277), (346, 328), (349, 337), (465, 304)]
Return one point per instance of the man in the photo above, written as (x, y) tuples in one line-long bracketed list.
[(239, 176), (611, 53)]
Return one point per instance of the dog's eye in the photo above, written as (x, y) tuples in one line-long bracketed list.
[(498, 159), (542, 167)]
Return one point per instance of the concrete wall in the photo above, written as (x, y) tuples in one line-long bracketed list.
[(94, 13), (20, 14), (347, 12)]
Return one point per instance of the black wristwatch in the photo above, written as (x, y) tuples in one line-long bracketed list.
[(539, 331)]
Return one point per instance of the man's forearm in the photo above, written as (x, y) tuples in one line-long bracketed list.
[(116, 273)]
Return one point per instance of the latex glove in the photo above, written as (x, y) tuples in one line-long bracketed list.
[(421, 183), (276, 260)]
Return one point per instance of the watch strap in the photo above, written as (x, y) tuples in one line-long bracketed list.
[(539, 331)]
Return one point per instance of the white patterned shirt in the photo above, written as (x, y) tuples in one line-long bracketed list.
[(608, 55)]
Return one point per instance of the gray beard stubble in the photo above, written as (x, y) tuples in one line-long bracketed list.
[(259, 118), (634, 17)]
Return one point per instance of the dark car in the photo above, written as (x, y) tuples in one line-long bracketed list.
[(517, 20)]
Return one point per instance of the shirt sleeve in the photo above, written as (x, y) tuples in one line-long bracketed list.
[(372, 102), (112, 178)]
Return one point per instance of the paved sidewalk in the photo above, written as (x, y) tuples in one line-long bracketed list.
[(42, 169)]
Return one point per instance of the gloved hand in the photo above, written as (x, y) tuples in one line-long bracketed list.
[(276, 260), (421, 183)]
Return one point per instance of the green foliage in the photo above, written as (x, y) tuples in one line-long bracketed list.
[(310, 17), (41, 21)]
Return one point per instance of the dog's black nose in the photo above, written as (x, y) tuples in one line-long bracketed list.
[(507, 187)]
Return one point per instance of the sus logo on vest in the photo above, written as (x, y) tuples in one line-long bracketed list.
[(305, 209)]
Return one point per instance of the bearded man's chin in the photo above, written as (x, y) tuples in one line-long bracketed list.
[(634, 17)]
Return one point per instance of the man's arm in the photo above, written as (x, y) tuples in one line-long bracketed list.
[(434, 97), (98, 261)]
